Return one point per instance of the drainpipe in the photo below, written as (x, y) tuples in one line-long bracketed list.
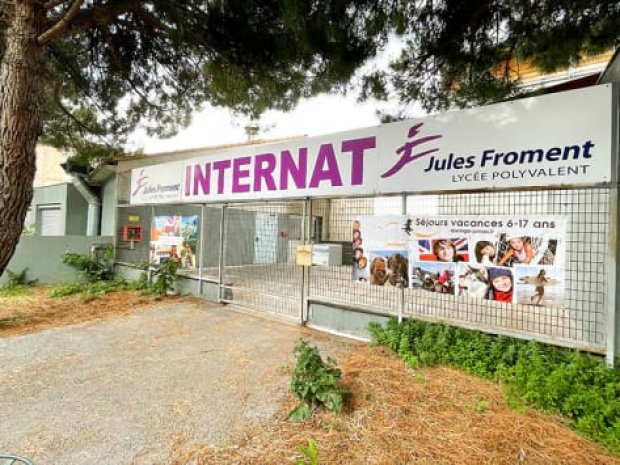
[(94, 206)]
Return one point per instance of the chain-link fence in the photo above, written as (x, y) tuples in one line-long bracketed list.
[(254, 261), (580, 322)]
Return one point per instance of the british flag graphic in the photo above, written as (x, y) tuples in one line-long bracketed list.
[(461, 246)]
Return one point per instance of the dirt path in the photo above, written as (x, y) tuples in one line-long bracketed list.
[(126, 389)]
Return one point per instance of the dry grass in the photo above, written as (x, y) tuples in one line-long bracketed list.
[(400, 416), (38, 311)]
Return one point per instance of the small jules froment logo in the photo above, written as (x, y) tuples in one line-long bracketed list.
[(140, 183), (408, 153)]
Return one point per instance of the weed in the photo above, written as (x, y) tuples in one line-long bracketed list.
[(481, 405), (315, 382), (17, 284), (92, 268), (562, 381), (310, 452), (164, 276)]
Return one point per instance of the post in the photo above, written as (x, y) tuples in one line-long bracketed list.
[(201, 248), (221, 261), (401, 295), (304, 274), (613, 251)]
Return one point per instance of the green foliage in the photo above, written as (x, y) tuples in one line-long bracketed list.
[(310, 452), (120, 65), (91, 290), (562, 381), (164, 276), (95, 268), (458, 53), (315, 382), (17, 284)]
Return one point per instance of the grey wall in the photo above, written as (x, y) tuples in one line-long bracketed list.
[(74, 208), (49, 195), (42, 257), (77, 213), (108, 207), (343, 321)]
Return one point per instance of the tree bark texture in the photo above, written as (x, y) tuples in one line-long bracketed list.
[(20, 122)]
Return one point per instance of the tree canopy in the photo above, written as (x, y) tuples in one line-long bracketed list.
[(116, 64), (459, 53)]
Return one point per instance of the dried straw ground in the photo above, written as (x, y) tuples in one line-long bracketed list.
[(38, 311), (401, 416)]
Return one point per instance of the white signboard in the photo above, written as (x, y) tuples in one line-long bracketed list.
[(552, 140), (156, 184)]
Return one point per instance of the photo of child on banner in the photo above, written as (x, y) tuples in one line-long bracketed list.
[(443, 249), (539, 285), (526, 250), (485, 282)]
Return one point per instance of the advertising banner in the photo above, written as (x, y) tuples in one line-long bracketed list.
[(174, 237), (512, 259), (557, 139)]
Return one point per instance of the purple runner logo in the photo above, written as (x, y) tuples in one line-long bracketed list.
[(140, 183), (407, 153)]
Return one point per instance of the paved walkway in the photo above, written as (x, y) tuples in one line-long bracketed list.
[(125, 390)]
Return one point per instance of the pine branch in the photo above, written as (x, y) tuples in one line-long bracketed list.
[(61, 25)]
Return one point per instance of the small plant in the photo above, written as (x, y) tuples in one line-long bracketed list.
[(310, 452), (164, 276), (92, 268), (17, 284), (315, 382), (481, 405)]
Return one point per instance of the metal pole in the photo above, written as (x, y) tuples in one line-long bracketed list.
[(304, 221), (201, 248), (613, 252), (221, 261), (401, 294)]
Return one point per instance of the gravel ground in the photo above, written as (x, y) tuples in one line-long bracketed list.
[(128, 389)]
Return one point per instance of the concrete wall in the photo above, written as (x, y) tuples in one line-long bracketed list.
[(343, 321), (42, 257), (49, 170), (74, 208), (108, 207), (77, 213)]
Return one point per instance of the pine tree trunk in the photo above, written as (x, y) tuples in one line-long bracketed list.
[(20, 122)]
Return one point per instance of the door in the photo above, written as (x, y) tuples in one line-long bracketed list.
[(266, 238)]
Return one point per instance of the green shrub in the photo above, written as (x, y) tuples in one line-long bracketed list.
[(17, 284), (562, 381), (164, 276), (96, 268), (315, 382), (88, 291)]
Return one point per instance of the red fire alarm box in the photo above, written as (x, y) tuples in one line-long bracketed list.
[(133, 233)]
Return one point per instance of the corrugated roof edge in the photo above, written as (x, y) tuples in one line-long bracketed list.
[(139, 156)]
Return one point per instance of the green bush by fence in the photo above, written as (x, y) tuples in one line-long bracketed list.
[(558, 380)]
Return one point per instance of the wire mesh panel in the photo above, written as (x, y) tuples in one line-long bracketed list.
[(335, 283), (259, 259), (580, 321)]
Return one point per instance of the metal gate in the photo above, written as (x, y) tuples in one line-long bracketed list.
[(258, 263)]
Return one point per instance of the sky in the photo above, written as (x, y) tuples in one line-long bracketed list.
[(323, 114)]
